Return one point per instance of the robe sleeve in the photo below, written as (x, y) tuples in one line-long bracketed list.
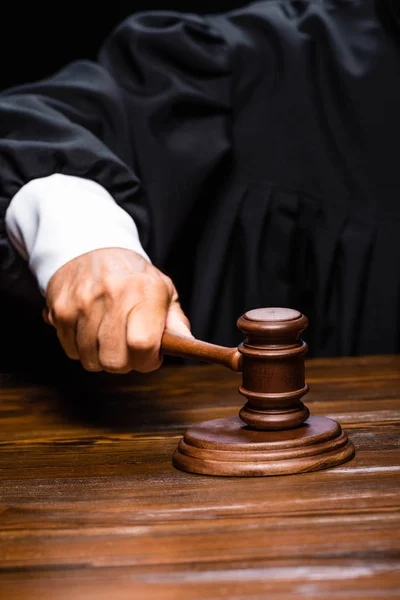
[(176, 73), (147, 122)]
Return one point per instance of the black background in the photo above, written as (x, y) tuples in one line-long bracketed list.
[(37, 39)]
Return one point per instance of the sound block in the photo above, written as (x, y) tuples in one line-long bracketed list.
[(229, 447)]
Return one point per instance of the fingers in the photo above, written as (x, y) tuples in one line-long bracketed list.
[(132, 341), (64, 322), (114, 355), (66, 336), (120, 340), (145, 327), (116, 340), (86, 337)]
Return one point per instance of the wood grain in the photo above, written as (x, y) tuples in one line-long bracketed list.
[(91, 506)]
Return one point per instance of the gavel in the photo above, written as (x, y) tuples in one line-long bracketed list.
[(273, 433)]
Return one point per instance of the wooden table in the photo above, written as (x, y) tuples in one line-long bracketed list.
[(91, 506)]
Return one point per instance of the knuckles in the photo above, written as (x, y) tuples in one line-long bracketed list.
[(137, 363), (144, 352), (111, 288), (140, 344), (63, 312), (155, 287)]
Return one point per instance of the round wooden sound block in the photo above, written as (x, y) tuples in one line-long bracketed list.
[(230, 447)]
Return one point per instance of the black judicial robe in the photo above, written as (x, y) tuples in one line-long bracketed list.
[(258, 152)]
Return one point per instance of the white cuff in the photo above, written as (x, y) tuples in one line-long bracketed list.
[(54, 219)]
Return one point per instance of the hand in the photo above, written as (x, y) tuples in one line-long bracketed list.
[(110, 308)]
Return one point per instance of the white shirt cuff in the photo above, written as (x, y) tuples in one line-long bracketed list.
[(54, 219)]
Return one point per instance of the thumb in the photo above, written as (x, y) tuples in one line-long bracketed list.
[(177, 321)]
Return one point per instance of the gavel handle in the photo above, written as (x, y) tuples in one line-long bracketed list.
[(186, 347)]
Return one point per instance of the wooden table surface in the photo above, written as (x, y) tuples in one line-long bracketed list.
[(91, 506)]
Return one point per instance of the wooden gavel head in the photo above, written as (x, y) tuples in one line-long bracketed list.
[(273, 433), (273, 368), (271, 359)]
